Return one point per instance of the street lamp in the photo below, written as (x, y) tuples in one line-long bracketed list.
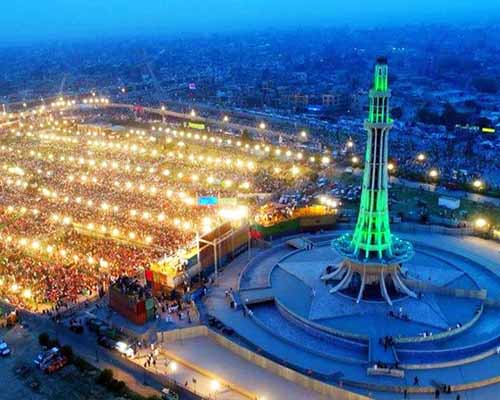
[(226, 118), (215, 386), (421, 157), (355, 160), (481, 223), (262, 125), (478, 184), (433, 173)]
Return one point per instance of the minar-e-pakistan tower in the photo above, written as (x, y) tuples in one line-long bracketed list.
[(372, 255)]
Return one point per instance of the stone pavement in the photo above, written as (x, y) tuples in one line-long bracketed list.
[(481, 251), (209, 355), (183, 375)]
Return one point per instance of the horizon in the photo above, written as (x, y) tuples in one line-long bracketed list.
[(37, 22)]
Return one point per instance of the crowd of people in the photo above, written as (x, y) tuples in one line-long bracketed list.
[(75, 213)]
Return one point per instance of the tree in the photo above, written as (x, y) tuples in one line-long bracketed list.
[(67, 351), (472, 104), (105, 377), (117, 386), (484, 122), (245, 135), (428, 117), (449, 115), (44, 339), (424, 218)]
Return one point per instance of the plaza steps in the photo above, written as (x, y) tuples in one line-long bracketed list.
[(256, 296), (298, 243), (378, 353), (329, 347)]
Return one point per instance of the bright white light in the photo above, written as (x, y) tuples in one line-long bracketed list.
[(481, 223), (173, 366), (478, 184), (234, 214)]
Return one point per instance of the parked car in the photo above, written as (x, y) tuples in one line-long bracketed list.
[(111, 333), (4, 349), (219, 325), (45, 356), (125, 349), (54, 364), (227, 331), (95, 324), (212, 320), (76, 326), (106, 342)]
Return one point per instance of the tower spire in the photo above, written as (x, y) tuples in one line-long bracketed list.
[(372, 250), (372, 236)]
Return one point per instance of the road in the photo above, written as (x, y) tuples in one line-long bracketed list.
[(263, 133), (478, 198), (137, 378)]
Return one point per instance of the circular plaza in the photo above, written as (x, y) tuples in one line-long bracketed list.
[(446, 337)]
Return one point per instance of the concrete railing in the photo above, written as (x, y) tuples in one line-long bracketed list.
[(182, 334), (256, 260), (449, 364), (359, 338), (323, 354), (442, 335), (394, 372), (413, 227)]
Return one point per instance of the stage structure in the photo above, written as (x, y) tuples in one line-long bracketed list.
[(372, 255)]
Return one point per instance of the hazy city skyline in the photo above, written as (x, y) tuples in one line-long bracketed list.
[(35, 20)]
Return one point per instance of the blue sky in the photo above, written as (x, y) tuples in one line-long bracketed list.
[(30, 20)]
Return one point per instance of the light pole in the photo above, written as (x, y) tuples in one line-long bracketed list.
[(249, 243)]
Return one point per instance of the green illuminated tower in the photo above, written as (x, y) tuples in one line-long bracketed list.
[(372, 252), (372, 237)]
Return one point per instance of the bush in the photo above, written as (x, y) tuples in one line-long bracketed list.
[(44, 339), (117, 386), (105, 377), (67, 351)]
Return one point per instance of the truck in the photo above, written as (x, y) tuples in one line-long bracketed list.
[(4, 349)]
